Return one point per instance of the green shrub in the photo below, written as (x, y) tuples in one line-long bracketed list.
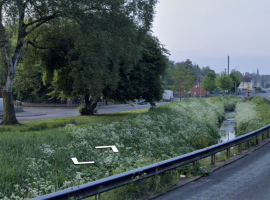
[(83, 109)]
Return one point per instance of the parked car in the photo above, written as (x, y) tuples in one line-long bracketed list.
[(141, 102), (168, 95), (264, 91)]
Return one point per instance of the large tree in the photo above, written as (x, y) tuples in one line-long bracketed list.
[(25, 17), (104, 62), (184, 78), (223, 82), (236, 79), (208, 82), (145, 79)]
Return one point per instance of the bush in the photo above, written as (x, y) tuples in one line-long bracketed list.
[(258, 100), (247, 118), (258, 89), (230, 102), (84, 110)]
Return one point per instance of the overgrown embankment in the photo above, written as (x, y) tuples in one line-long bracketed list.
[(34, 163), (252, 115)]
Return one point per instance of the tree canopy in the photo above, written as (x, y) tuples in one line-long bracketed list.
[(223, 82), (24, 18), (145, 79), (206, 70), (236, 80), (208, 82), (184, 78)]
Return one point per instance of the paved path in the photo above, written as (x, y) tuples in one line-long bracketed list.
[(247, 179), (34, 113)]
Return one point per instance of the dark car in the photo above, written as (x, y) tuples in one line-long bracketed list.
[(141, 102)]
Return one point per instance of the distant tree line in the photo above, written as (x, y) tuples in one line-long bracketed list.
[(183, 76)]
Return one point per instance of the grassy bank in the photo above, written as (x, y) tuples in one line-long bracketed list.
[(36, 158), (252, 115)]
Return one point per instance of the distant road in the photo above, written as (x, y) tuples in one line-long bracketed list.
[(68, 112), (263, 95), (244, 179)]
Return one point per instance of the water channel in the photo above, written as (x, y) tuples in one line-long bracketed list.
[(227, 130)]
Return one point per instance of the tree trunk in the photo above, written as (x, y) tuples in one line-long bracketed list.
[(90, 105), (9, 62), (9, 111), (8, 66)]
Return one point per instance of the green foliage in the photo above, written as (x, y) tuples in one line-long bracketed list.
[(247, 118), (258, 89), (40, 160), (236, 80), (230, 102), (206, 70), (259, 100), (223, 82), (115, 60), (28, 85), (252, 115), (168, 81), (82, 59), (208, 82), (263, 109), (184, 79), (144, 78), (84, 109)]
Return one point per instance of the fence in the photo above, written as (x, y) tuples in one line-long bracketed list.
[(112, 182)]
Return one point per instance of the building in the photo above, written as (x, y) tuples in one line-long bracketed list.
[(245, 87), (197, 90)]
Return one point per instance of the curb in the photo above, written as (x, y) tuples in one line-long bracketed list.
[(29, 115)]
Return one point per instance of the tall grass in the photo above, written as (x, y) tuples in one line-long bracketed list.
[(252, 115), (36, 158)]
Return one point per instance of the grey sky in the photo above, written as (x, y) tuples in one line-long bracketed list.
[(206, 31)]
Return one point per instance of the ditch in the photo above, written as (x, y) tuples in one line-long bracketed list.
[(227, 128)]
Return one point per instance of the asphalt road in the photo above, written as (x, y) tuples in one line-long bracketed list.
[(247, 179), (263, 95), (33, 113)]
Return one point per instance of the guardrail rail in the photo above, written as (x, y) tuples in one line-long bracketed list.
[(112, 182)]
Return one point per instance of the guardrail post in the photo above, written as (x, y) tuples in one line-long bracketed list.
[(268, 134), (228, 153), (97, 197), (249, 144), (257, 140), (195, 166), (239, 148), (263, 138), (213, 159)]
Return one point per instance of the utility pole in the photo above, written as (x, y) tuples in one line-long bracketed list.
[(200, 78), (228, 65)]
